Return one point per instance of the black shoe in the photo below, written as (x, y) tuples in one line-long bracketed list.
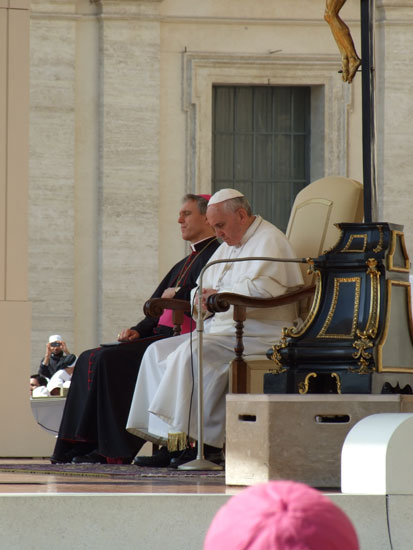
[(216, 456), (160, 459), (91, 458), (184, 456), (65, 458)]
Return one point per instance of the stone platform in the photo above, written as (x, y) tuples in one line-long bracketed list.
[(174, 521)]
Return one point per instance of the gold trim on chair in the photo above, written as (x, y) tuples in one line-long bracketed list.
[(379, 246), (362, 345), (294, 332), (352, 238), (398, 237), (304, 386), (338, 381), (340, 236), (366, 337), (337, 282), (372, 324), (276, 356)]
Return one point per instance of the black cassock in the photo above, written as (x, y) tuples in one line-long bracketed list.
[(103, 381)]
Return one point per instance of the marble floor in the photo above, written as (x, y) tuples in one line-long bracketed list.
[(16, 482)]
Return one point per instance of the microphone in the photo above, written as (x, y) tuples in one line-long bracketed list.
[(200, 463)]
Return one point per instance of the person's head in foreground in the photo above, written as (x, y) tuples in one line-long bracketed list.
[(280, 515)]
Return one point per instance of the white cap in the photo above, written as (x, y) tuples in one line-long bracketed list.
[(224, 195), (55, 338)]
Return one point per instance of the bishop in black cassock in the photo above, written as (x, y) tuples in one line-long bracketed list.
[(98, 402)]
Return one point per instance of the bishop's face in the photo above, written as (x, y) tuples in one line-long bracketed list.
[(228, 226), (194, 225)]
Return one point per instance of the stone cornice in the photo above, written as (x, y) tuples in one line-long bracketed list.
[(394, 3), (122, 9), (394, 11), (15, 4)]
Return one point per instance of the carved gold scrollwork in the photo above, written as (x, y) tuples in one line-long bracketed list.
[(303, 386), (338, 381), (276, 356), (362, 345), (379, 246), (365, 337), (310, 268), (373, 320)]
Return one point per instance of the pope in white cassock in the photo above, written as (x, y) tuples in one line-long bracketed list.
[(161, 404)]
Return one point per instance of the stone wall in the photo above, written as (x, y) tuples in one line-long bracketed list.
[(51, 189), (394, 58), (94, 168), (121, 129)]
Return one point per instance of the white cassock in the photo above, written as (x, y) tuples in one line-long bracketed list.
[(167, 380)]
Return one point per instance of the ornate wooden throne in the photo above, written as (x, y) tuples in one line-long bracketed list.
[(358, 335)]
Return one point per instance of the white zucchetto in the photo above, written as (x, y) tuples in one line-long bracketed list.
[(224, 195)]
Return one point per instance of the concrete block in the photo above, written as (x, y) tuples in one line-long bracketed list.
[(400, 526), (298, 437)]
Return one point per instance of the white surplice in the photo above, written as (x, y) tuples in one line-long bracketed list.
[(168, 374)]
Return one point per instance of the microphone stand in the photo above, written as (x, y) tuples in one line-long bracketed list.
[(200, 463)]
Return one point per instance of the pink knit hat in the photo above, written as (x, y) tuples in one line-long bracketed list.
[(280, 515)]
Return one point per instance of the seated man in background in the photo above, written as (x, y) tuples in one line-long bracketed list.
[(38, 381), (164, 404), (57, 356), (98, 402)]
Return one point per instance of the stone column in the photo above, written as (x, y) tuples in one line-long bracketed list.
[(129, 160), (19, 434), (87, 174), (394, 52)]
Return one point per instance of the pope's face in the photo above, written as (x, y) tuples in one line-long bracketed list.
[(193, 224), (228, 226)]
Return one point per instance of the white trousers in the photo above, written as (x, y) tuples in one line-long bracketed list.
[(168, 378)]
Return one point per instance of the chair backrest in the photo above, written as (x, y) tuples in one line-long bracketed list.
[(316, 209)]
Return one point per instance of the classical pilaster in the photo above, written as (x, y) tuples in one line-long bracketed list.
[(394, 62), (87, 174), (18, 433), (52, 171), (130, 118)]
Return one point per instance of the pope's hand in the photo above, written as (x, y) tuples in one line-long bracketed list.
[(206, 293)]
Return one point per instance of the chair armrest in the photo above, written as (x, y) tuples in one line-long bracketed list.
[(223, 300), (156, 306)]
